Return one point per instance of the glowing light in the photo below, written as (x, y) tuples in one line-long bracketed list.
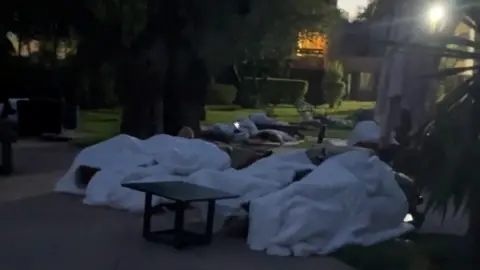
[(436, 13)]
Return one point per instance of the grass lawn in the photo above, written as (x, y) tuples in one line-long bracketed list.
[(103, 124)]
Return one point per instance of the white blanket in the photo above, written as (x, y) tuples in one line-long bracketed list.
[(264, 177), (335, 205), (349, 199), (244, 128), (367, 131), (123, 159)]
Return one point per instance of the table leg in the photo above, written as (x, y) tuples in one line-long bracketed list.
[(321, 134), (179, 240), (210, 217), (147, 216)]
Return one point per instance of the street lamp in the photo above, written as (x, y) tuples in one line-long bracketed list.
[(436, 13), (435, 17)]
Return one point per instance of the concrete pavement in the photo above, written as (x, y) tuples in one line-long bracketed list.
[(43, 230)]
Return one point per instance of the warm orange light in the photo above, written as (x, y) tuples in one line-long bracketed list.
[(311, 43)]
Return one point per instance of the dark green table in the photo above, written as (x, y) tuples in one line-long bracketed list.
[(181, 194)]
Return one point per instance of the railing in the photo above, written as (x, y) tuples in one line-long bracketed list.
[(316, 52)]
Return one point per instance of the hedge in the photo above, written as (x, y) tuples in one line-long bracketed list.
[(272, 91), (221, 94)]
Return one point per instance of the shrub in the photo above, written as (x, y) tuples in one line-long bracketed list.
[(248, 94), (314, 77), (274, 90), (333, 85), (221, 94), (283, 91), (98, 90)]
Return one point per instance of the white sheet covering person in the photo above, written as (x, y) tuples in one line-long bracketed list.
[(366, 131), (351, 198), (123, 159)]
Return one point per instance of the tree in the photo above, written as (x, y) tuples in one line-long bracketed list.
[(271, 34), (163, 51), (173, 64), (144, 41), (273, 27), (333, 84), (368, 11), (375, 10), (214, 38)]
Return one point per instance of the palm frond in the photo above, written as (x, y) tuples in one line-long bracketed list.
[(450, 180), (470, 23), (447, 72), (439, 49), (456, 54), (450, 150), (455, 96), (445, 40)]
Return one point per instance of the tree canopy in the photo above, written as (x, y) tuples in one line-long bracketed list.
[(218, 32), (154, 47)]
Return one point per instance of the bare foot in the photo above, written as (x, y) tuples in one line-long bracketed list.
[(84, 174), (186, 132)]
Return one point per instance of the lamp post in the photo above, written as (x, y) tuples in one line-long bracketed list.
[(436, 16), (436, 13)]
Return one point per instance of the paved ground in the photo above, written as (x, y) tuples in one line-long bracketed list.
[(37, 166), (42, 230)]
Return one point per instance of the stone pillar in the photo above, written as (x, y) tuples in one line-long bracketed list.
[(70, 120), (355, 85)]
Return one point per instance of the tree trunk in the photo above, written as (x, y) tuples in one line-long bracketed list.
[(149, 95), (166, 87), (186, 89), (143, 78), (142, 118), (167, 81), (142, 96)]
